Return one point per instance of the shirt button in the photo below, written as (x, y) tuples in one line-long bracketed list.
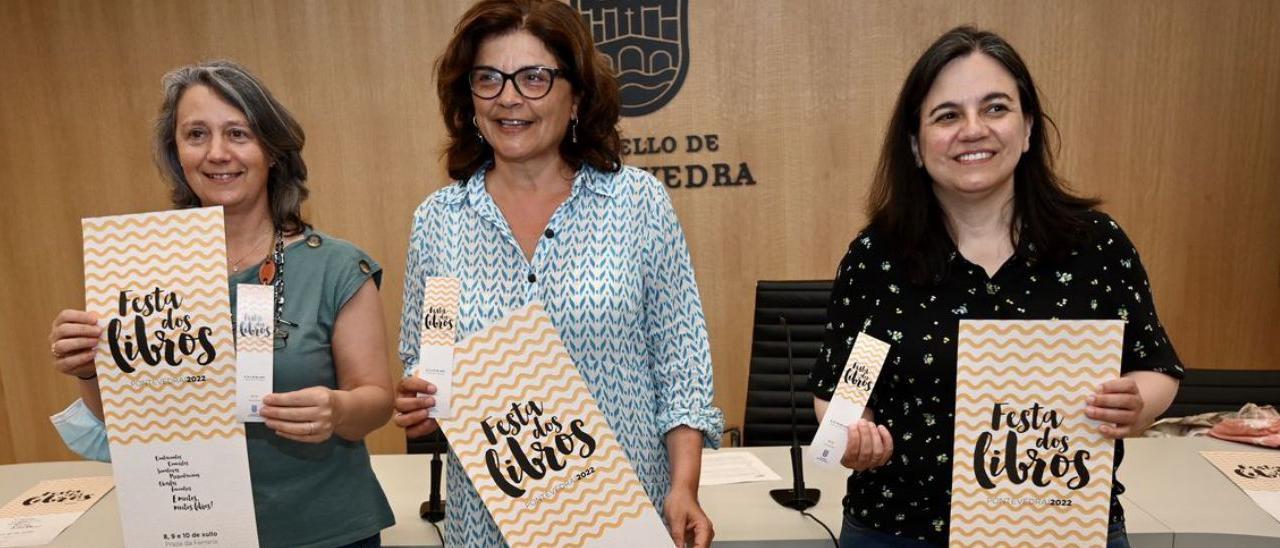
[(533, 277), (550, 233)]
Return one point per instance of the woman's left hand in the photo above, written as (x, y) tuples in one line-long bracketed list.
[(689, 524), (1119, 403), (308, 415)]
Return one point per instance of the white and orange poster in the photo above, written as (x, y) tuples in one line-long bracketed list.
[(535, 445), (1257, 473), (41, 513), (167, 372), (1029, 468)]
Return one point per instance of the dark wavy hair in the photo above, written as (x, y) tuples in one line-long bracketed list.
[(278, 132), (562, 30), (1048, 220)]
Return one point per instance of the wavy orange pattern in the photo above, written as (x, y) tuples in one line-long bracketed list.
[(441, 293), (519, 359), (180, 251), (1055, 364)]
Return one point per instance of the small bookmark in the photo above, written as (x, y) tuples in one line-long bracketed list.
[(856, 382), (439, 329), (255, 346)]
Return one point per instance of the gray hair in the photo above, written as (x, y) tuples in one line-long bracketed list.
[(279, 133)]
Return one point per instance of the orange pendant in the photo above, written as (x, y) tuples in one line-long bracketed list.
[(267, 273)]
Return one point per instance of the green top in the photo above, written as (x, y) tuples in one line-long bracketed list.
[(313, 495)]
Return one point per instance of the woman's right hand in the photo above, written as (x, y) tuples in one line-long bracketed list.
[(73, 340), (869, 446), (411, 409)]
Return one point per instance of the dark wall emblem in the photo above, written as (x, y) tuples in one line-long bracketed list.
[(648, 43)]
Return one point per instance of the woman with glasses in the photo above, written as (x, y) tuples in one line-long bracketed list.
[(223, 140), (969, 220), (543, 210)]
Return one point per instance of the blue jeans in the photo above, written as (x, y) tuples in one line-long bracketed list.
[(1117, 537), (856, 535)]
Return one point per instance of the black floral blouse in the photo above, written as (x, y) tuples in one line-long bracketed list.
[(915, 395)]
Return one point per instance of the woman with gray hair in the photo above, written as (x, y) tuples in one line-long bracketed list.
[(222, 140)]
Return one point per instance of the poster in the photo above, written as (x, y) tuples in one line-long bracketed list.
[(41, 513), (535, 445), (1257, 473), (167, 372), (1028, 465)]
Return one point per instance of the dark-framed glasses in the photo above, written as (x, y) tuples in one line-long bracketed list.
[(530, 82)]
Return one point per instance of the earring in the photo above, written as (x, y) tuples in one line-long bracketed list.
[(476, 123), (573, 129)]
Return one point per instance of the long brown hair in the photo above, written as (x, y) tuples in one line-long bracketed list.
[(561, 29), (1047, 218)]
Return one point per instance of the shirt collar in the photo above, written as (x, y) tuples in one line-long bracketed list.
[(602, 183)]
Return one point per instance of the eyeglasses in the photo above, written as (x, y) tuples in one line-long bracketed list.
[(281, 340), (530, 82)]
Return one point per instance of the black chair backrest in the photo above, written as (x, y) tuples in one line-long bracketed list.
[(1208, 390), (768, 413), (434, 442), (804, 304)]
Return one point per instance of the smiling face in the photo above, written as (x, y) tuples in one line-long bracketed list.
[(220, 155), (972, 128), (522, 130)]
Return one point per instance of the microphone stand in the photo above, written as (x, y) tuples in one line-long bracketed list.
[(432, 509), (796, 498)]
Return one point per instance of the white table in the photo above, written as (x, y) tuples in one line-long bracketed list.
[(746, 516), (1175, 498), (1170, 480)]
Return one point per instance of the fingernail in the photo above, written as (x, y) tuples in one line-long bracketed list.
[(1090, 399)]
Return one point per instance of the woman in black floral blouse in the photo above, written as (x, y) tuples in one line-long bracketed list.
[(969, 220)]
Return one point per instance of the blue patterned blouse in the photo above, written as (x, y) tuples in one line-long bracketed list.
[(613, 271)]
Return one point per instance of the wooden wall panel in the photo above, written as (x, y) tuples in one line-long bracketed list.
[(1170, 111)]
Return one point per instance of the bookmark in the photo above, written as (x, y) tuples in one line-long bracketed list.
[(438, 331), (856, 381), (255, 344)]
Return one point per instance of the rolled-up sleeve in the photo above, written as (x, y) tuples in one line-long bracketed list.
[(677, 329), (82, 432)]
